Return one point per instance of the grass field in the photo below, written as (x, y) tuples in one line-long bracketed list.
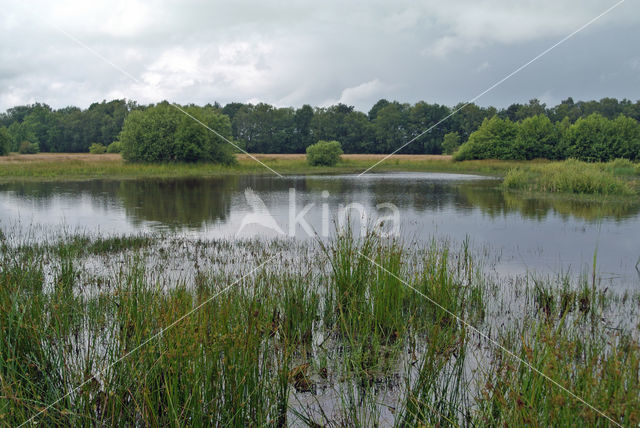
[(52, 166), (617, 178)]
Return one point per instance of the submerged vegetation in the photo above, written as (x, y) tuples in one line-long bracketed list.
[(359, 332)]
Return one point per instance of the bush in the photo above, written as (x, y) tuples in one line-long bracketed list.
[(27, 148), (162, 133), (5, 141), (115, 147), (97, 149), (537, 138), (494, 139), (326, 153), (450, 143)]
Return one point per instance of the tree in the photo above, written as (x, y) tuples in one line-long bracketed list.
[(423, 117), (625, 138), (5, 141), (373, 113), (589, 139), (163, 133), (392, 128), (451, 142), (20, 132), (303, 118), (537, 137), (493, 140), (326, 153)]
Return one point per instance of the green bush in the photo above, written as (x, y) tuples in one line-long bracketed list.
[(115, 147), (5, 141), (494, 139), (450, 143), (97, 149), (326, 153), (27, 148), (537, 137), (163, 133)]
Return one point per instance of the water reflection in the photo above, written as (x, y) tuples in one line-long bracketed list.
[(190, 203), (531, 233), (194, 202)]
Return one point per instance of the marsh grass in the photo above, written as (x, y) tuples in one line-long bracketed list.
[(573, 177), (259, 353), (83, 167)]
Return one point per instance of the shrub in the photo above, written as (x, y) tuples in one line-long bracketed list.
[(97, 149), (27, 148), (450, 143), (162, 133), (589, 139), (537, 137), (115, 147), (325, 153), (494, 139), (5, 141)]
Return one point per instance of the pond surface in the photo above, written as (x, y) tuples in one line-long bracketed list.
[(523, 234)]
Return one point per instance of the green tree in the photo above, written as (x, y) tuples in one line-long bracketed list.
[(20, 132), (163, 133), (325, 153), (392, 128), (343, 123), (424, 116), (625, 138), (450, 143), (589, 139), (537, 137), (5, 141), (493, 140)]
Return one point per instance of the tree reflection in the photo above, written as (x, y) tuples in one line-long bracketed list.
[(183, 202)]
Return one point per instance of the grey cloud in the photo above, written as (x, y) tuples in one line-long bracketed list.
[(296, 53)]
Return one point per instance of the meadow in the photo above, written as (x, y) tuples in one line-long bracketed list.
[(618, 178), (166, 330)]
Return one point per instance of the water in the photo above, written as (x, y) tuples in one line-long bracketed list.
[(523, 234)]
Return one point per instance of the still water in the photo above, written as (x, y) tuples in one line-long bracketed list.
[(522, 234)]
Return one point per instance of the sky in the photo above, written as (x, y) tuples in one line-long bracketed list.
[(320, 53)]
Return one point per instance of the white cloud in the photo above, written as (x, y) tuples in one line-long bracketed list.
[(366, 91)]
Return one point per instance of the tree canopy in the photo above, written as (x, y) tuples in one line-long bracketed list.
[(540, 131), (163, 133)]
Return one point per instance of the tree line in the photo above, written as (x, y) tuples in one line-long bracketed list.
[(263, 128), (594, 138)]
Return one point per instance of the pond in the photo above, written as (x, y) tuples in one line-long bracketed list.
[(548, 235)]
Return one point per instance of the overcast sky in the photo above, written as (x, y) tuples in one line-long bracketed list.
[(318, 53)]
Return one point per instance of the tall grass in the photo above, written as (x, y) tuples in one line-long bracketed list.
[(570, 176), (359, 333)]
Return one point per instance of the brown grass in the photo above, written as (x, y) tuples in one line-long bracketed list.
[(60, 157), (86, 157), (371, 157)]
